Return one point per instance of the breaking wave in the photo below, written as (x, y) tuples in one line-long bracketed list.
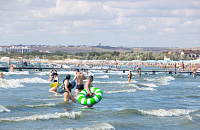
[(172, 112), (71, 115), (3, 109)]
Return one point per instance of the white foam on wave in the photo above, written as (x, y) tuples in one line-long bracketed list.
[(121, 91), (100, 126), (10, 83), (172, 112), (199, 86), (17, 73), (149, 85), (167, 78), (66, 72), (3, 109), (42, 105), (146, 89), (102, 77), (32, 80), (114, 82), (15, 83), (42, 73), (164, 80), (56, 115), (142, 88)]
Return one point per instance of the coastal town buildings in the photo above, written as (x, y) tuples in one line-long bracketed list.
[(20, 48), (5, 48), (191, 53)]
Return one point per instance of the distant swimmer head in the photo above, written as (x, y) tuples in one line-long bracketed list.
[(68, 76), (51, 70), (1, 73)]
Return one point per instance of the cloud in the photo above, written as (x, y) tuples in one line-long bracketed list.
[(101, 18)]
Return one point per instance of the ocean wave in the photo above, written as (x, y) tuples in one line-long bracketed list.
[(172, 112), (41, 105), (100, 126), (146, 89), (163, 80), (3, 109), (114, 82), (17, 73), (166, 78), (149, 85), (102, 77), (32, 80), (71, 115), (15, 83), (143, 88), (42, 73), (10, 83), (121, 91)]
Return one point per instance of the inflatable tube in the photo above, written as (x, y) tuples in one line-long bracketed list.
[(61, 89), (73, 84), (54, 85), (90, 100)]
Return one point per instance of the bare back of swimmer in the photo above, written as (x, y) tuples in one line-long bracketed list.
[(79, 81)]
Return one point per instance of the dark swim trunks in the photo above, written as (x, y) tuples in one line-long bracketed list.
[(80, 87)]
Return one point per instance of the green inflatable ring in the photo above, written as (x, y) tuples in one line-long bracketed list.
[(86, 100)]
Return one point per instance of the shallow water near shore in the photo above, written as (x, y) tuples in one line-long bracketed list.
[(159, 101)]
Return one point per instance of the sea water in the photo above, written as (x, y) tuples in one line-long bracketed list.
[(159, 101)]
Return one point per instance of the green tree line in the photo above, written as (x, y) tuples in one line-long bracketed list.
[(128, 56)]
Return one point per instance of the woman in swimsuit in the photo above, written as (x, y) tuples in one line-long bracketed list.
[(67, 87), (54, 89)]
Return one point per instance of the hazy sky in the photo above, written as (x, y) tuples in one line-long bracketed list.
[(131, 23)]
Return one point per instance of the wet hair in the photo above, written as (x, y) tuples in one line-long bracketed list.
[(55, 74), (90, 77), (68, 76), (77, 70)]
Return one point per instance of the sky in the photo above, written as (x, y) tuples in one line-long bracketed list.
[(127, 23)]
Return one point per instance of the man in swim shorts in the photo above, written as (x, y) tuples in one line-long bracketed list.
[(79, 81)]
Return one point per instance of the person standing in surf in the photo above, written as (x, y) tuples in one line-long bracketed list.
[(79, 81), (54, 89), (129, 76), (67, 89), (1, 76), (51, 75), (88, 84)]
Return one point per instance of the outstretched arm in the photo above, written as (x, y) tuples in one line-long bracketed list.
[(75, 78)]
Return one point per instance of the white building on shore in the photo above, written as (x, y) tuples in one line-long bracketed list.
[(5, 48), (191, 53), (20, 49)]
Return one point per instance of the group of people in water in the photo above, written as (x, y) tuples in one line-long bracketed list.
[(67, 86)]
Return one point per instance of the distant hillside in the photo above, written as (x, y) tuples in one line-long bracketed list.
[(108, 49)]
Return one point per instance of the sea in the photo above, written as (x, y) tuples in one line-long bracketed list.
[(154, 101)]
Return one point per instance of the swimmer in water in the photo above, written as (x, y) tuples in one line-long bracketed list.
[(1, 76), (54, 89), (79, 81), (129, 76), (88, 84), (67, 87), (51, 75), (12, 68)]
